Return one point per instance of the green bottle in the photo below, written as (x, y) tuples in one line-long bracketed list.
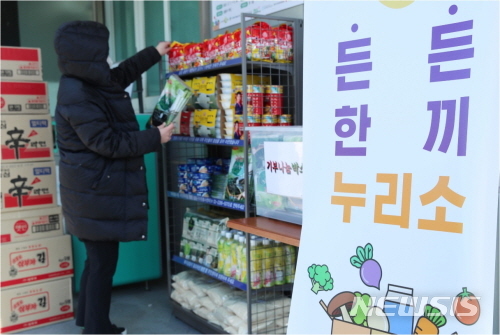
[(268, 262), (220, 251), (227, 254), (255, 263), (279, 263), (290, 263), (243, 260), (235, 246)]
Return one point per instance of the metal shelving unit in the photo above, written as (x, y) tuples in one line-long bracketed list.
[(177, 151)]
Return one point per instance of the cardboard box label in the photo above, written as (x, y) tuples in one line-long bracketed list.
[(28, 185), (26, 138), (21, 63), (36, 305), (24, 97), (27, 225), (35, 261)]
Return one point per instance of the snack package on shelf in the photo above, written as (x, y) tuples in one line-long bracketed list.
[(237, 187), (193, 55), (200, 235), (264, 43), (283, 51), (260, 42), (173, 100), (197, 176), (205, 91), (176, 60), (210, 49), (235, 51), (205, 123)]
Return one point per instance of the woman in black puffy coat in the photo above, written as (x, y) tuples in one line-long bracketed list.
[(101, 170)]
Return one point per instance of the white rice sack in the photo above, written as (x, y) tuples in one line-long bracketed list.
[(220, 293), (206, 314), (234, 321), (240, 309), (202, 311), (185, 274), (259, 311), (207, 303), (177, 286), (178, 296), (280, 302), (221, 314), (278, 307), (280, 330), (265, 327), (192, 300), (282, 322), (201, 284), (230, 330), (183, 278)]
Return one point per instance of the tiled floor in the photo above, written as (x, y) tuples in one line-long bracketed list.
[(140, 310)]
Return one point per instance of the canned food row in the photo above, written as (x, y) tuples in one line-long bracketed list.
[(269, 120)]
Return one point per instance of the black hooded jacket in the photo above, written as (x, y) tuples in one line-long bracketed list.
[(101, 170)]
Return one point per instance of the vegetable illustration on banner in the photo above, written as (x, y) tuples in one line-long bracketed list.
[(369, 269), (321, 278)]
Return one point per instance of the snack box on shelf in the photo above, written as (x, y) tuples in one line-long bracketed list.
[(24, 97), (36, 305), (20, 226), (28, 185), (44, 259), (277, 171), (26, 138), (19, 63)]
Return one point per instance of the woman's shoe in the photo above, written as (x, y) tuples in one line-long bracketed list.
[(118, 330)]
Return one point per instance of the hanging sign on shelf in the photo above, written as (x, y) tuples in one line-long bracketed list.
[(400, 197), (283, 161), (228, 13)]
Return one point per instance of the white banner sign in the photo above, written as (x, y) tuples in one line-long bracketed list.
[(401, 134), (228, 13), (283, 160)]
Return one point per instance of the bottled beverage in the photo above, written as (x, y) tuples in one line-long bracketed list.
[(279, 263), (201, 253), (220, 251), (255, 263), (290, 263), (234, 255), (239, 245), (227, 254), (243, 260), (181, 251), (268, 262)]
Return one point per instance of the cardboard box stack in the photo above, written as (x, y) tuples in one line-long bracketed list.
[(36, 256)]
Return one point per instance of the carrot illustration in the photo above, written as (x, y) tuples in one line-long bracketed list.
[(430, 323)]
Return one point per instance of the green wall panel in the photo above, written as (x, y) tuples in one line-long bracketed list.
[(185, 21)]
